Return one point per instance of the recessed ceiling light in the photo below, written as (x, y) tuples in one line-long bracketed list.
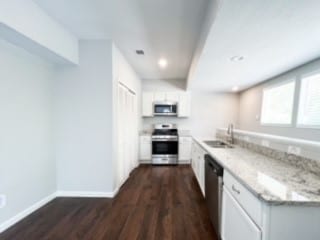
[(237, 58), (235, 88), (163, 63)]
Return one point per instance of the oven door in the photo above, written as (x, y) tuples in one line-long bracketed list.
[(165, 109), (164, 152)]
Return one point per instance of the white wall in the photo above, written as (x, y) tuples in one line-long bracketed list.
[(27, 25), (164, 85), (27, 166), (251, 102), (209, 111), (208, 20), (83, 122)]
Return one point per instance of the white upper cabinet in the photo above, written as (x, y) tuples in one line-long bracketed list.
[(159, 96), (147, 104), (172, 96), (184, 105), (182, 98)]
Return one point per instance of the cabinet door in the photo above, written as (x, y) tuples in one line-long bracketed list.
[(159, 96), (193, 156), (172, 96), (201, 172), (184, 105), (145, 148), (185, 148), (147, 104), (236, 224)]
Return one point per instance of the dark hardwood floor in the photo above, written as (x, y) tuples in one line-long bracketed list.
[(155, 203)]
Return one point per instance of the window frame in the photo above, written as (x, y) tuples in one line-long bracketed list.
[(301, 78), (293, 113)]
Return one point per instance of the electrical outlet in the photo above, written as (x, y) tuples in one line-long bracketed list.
[(3, 201), (246, 138), (294, 150), (265, 143)]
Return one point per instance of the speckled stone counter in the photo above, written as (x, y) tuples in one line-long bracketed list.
[(272, 181)]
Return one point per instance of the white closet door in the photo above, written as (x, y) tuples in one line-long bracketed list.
[(132, 131), (127, 136), (136, 131), (121, 139), (127, 133)]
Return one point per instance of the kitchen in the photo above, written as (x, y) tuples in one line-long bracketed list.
[(183, 120)]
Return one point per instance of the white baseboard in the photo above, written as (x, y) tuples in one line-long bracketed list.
[(83, 194), (185, 162), (4, 226)]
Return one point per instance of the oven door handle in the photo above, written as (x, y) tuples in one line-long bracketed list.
[(164, 140)]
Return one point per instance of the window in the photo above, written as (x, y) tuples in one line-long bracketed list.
[(277, 104), (309, 106)]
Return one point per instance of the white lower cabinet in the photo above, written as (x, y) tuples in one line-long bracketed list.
[(145, 148), (198, 164), (185, 149), (236, 224), (245, 217)]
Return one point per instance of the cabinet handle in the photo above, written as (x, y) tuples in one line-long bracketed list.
[(235, 190)]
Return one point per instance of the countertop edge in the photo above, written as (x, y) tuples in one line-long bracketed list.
[(254, 192)]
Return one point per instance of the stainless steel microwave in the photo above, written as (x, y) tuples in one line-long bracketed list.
[(165, 108)]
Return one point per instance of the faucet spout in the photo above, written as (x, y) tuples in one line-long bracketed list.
[(230, 133)]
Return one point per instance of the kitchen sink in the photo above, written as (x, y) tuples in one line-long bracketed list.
[(217, 144)]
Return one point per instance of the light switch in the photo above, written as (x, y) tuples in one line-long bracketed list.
[(246, 138), (265, 143), (294, 150)]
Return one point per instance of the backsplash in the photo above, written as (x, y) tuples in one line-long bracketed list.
[(274, 150)]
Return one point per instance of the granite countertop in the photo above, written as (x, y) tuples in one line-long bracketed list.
[(272, 181)]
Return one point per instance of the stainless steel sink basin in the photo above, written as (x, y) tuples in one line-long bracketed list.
[(217, 144)]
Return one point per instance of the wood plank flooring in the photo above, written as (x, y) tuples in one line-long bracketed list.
[(156, 203)]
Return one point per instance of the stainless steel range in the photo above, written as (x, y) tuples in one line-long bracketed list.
[(165, 144)]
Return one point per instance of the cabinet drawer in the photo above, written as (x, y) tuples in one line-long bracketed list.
[(185, 139), (244, 197), (145, 139)]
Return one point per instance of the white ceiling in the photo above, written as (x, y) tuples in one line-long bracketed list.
[(274, 36), (162, 28)]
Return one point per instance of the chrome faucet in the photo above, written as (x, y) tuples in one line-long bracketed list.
[(230, 134)]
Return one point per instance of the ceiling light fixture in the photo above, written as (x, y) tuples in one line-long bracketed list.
[(163, 63), (237, 58), (235, 89)]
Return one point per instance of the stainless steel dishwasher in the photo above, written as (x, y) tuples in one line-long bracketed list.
[(213, 190)]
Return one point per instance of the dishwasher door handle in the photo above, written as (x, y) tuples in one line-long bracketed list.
[(212, 167), (235, 189)]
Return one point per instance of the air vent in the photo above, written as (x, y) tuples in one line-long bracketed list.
[(140, 52)]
